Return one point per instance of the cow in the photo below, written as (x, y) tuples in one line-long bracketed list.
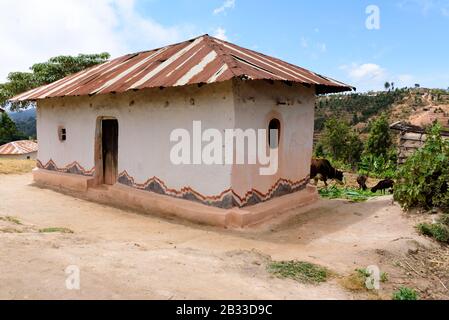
[(361, 180), (322, 169), (383, 185)]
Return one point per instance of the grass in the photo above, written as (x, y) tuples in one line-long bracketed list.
[(438, 231), (11, 219), (300, 271), (16, 166), (357, 280), (352, 194), (354, 282), (405, 293), (55, 230)]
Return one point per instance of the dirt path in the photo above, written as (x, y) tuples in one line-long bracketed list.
[(126, 255)]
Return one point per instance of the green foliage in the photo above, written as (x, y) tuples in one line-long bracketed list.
[(44, 73), (8, 130), (379, 139), (423, 179), (444, 219), (361, 106), (299, 271), (351, 194), (438, 231), (405, 293), (340, 142), (383, 167)]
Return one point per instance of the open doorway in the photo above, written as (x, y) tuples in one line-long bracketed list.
[(109, 150)]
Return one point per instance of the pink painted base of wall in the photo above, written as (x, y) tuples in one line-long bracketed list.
[(151, 203)]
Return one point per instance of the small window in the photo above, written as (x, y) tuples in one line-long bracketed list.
[(275, 124), (62, 133)]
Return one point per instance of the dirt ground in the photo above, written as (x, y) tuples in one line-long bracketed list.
[(125, 255)]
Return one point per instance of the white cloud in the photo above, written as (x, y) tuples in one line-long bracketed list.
[(228, 4), (33, 31), (371, 76), (220, 33), (366, 71)]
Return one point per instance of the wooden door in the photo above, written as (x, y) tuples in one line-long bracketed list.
[(110, 151)]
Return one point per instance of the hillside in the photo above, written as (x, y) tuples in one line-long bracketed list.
[(418, 106), (25, 122)]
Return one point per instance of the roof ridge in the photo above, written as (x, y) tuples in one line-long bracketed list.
[(223, 56)]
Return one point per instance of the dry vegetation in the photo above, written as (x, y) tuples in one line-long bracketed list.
[(16, 166)]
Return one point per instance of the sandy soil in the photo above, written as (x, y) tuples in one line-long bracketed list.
[(124, 255)]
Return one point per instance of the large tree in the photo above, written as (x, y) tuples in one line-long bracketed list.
[(340, 142), (8, 130), (379, 140), (44, 73)]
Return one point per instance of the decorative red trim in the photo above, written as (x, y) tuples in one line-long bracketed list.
[(73, 168), (216, 200)]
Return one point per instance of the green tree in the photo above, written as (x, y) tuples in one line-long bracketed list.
[(44, 73), (340, 142), (8, 130), (379, 139), (387, 86), (423, 181)]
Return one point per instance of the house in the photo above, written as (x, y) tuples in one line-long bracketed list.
[(411, 139), (19, 150), (110, 131)]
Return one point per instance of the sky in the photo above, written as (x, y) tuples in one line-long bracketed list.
[(362, 43)]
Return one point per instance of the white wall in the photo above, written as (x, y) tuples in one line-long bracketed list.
[(146, 120), (29, 156), (256, 103)]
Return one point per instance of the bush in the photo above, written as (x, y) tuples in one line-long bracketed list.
[(438, 231), (444, 219), (382, 167), (423, 180), (405, 293)]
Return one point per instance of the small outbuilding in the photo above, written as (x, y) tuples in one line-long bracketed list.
[(411, 139), (114, 132), (19, 150)]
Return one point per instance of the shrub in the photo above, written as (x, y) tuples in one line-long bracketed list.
[(444, 219), (438, 231), (424, 178), (383, 167), (405, 293)]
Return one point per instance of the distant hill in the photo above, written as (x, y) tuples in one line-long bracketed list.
[(418, 106), (25, 121)]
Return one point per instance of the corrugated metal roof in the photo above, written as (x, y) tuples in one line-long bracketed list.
[(201, 60), (18, 147)]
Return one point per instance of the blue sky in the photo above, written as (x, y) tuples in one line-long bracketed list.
[(326, 36)]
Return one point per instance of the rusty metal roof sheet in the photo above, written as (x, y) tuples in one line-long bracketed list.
[(201, 60), (18, 147)]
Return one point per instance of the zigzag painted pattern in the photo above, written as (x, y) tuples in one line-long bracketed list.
[(227, 199), (73, 168)]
